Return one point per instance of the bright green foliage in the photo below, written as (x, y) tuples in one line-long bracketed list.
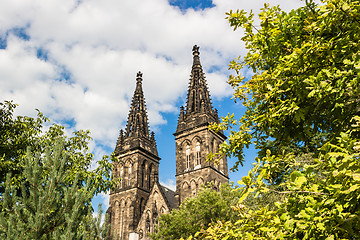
[(322, 201), (305, 87), (16, 134), (48, 207), (198, 212), (303, 116)]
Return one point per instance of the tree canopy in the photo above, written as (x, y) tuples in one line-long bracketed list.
[(47, 207), (46, 184), (18, 133), (304, 90), (303, 117), (198, 212)]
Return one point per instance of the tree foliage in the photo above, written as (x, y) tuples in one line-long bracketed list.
[(198, 212), (303, 117), (48, 207), (18, 133), (304, 90)]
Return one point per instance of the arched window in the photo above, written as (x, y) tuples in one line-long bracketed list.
[(150, 176), (198, 154), (129, 174), (193, 187), (147, 223), (162, 210), (187, 153), (141, 205), (121, 176), (143, 174)]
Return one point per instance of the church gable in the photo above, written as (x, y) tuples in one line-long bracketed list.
[(160, 201)]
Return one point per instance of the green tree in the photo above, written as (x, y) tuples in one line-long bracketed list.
[(303, 117), (48, 207), (18, 133), (304, 90), (197, 213)]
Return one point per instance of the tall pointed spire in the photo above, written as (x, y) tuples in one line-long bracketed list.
[(198, 98), (137, 124), (137, 132)]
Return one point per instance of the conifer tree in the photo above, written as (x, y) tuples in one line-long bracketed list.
[(48, 207)]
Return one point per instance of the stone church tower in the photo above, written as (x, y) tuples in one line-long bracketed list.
[(137, 169), (194, 141), (139, 199)]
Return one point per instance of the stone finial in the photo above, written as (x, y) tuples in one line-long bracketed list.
[(195, 50), (139, 76)]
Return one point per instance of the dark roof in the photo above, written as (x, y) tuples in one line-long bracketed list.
[(169, 196)]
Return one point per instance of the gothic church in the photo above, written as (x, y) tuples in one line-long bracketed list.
[(139, 199)]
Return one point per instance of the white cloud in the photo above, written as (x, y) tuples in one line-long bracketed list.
[(93, 50), (169, 183)]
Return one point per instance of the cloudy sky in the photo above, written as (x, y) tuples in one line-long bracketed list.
[(76, 61)]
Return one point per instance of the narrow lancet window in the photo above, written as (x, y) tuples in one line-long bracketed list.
[(129, 175), (121, 176), (187, 157), (198, 154)]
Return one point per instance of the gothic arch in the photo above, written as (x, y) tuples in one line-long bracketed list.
[(200, 182), (116, 214), (196, 139), (122, 218), (148, 222), (193, 187), (185, 143), (162, 210), (151, 170), (142, 169), (128, 201), (127, 162), (130, 173), (185, 185), (214, 146), (121, 170), (122, 203)]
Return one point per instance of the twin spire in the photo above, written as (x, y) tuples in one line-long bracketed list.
[(137, 124), (198, 104), (137, 132), (198, 98), (198, 110)]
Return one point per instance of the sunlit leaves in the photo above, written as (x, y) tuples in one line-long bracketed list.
[(302, 115), (18, 133)]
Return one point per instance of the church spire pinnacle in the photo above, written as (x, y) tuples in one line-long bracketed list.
[(198, 99), (137, 132), (196, 57), (198, 103), (137, 124)]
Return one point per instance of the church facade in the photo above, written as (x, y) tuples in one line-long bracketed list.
[(139, 199)]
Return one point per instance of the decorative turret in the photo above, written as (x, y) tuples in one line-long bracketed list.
[(137, 132), (198, 99)]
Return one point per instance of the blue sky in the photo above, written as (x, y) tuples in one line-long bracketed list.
[(76, 61)]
